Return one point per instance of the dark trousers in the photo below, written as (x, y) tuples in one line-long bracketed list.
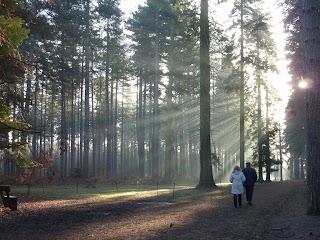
[(249, 192), (237, 200)]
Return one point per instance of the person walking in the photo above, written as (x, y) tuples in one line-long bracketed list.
[(251, 178), (237, 179)]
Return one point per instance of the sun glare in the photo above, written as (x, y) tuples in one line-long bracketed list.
[(303, 84)]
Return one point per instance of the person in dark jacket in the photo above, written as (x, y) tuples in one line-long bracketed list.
[(251, 178)]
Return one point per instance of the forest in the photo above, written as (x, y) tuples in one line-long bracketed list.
[(167, 92)]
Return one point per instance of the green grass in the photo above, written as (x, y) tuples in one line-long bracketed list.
[(114, 191), (91, 189)]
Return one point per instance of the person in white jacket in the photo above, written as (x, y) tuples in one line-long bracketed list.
[(237, 179)]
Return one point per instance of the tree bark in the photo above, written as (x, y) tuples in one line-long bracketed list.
[(107, 117), (155, 144), (63, 122), (93, 133), (206, 177), (310, 32), (268, 159), (87, 94), (260, 150), (141, 127), (242, 139), (73, 132), (114, 128), (169, 132)]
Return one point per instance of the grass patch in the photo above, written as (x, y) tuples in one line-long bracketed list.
[(93, 189), (99, 191)]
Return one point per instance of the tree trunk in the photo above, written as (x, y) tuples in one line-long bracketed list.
[(111, 117), (107, 117), (114, 129), (63, 122), (52, 123), (99, 131), (191, 153), (34, 122), (183, 156), (206, 177), (87, 94), (93, 132), (73, 132), (296, 167), (242, 140), (43, 114), (122, 135), (141, 127), (63, 134), (80, 117), (155, 144), (260, 151), (169, 132), (302, 168), (291, 167), (147, 168), (310, 29), (268, 159)]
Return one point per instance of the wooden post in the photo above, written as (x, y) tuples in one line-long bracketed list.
[(13, 202), (5, 199)]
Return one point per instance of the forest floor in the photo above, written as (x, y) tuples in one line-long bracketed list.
[(278, 212)]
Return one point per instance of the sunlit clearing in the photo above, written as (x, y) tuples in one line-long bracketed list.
[(113, 195), (143, 192), (223, 184)]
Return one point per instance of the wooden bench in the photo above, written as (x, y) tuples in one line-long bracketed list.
[(7, 200)]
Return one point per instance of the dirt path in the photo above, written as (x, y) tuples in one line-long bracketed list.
[(278, 213)]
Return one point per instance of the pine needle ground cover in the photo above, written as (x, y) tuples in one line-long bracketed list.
[(164, 212)]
